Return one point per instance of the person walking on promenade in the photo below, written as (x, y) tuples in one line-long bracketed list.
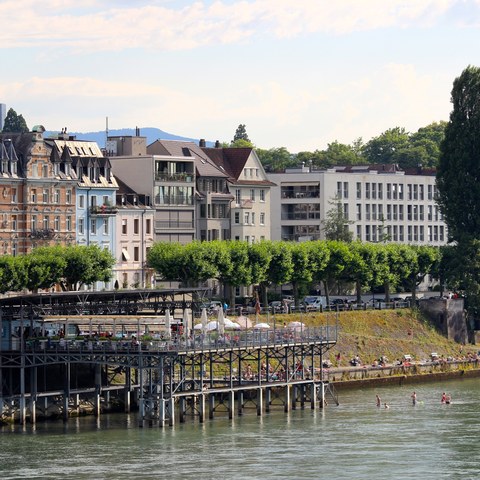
[(379, 401), (414, 398)]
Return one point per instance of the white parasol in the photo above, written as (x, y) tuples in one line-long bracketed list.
[(221, 322), (168, 322)]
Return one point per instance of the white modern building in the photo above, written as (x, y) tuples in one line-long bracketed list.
[(381, 201)]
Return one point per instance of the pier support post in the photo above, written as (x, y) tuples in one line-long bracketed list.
[(98, 388), (128, 389), (287, 399), (181, 408), (302, 395), (201, 407), (313, 396), (240, 402), (231, 404), (171, 408), (22, 409), (294, 397), (322, 395), (161, 412), (259, 401), (33, 396), (268, 399), (211, 405)]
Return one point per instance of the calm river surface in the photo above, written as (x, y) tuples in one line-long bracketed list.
[(355, 440)]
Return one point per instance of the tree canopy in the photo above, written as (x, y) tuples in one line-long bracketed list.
[(14, 123)]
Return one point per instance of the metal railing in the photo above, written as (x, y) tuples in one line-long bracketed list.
[(192, 343)]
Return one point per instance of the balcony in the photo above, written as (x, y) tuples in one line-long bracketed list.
[(42, 234), (173, 200), (174, 177), (103, 210), (301, 216)]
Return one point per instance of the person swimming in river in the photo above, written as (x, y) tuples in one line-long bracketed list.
[(448, 399), (379, 400), (444, 397), (386, 405)]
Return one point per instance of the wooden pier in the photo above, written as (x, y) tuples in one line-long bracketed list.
[(168, 379)]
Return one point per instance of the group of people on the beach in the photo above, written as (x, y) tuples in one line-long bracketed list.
[(446, 399)]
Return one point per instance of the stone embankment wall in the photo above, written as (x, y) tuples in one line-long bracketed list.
[(448, 315), (398, 374)]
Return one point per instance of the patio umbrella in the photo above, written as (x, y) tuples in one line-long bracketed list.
[(261, 326), (168, 322), (221, 322), (244, 322), (203, 319), (296, 325), (199, 326), (212, 325), (186, 322)]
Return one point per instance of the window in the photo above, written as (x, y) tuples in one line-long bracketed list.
[(394, 191), (81, 201), (415, 192), (106, 228), (136, 226), (136, 254), (395, 233), (45, 171), (400, 212), (429, 192), (409, 191), (359, 212), (14, 223), (34, 222), (389, 212), (367, 212), (56, 196), (253, 218), (93, 226), (68, 222), (400, 191), (237, 217), (409, 213), (148, 226), (380, 191), (56, 223), (339, 189), (124, 226), (46, 222), (420, 192), (401, 233), (367, 233), (359, 190), (14, 195), (238, 196), (252, 194), (262, 195), (81, 226), (374, 190), (68, 197), (45, 195), (359, 232), (262, 218), (374, 211), (246, 220), (389, 191), (345, 189), (33, 193), (367, 191), (430, 213)]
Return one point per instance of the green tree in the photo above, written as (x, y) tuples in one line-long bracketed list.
[(44, 266), (86, 265), (241, 134), (276, 159), (14, 123), (336, 224), (382, 149)]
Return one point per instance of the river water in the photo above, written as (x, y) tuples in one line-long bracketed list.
[(355, 440)]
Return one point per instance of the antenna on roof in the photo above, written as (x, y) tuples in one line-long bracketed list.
[(106, 132)]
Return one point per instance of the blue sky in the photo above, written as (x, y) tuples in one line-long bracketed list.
[(299, 74)]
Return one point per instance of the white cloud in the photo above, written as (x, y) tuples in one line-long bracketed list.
[(107, 25)]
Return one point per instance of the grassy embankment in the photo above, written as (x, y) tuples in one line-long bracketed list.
[(374, 333)]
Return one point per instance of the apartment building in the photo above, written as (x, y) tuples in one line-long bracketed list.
[(212, 196), (37, 200), (250, 187), (134, 234), (382, 202), (168, 180)]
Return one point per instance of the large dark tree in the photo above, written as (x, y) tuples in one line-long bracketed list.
[(14, 123), (458, 176), (458, 181), (241, 134)]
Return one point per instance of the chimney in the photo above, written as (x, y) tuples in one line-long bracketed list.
[(202, 143), (217, 144)]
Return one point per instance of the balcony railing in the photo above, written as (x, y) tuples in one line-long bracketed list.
[(103, 210), (174, 177), (301, 216), (42, 234), (300, 194), (173, 200), (167, 224)]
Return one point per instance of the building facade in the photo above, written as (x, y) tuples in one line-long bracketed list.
[(134, 233), (37, 201), (168, 180), (382, 203), (250, 187)]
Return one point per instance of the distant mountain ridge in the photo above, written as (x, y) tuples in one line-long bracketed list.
[(151, 133)]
